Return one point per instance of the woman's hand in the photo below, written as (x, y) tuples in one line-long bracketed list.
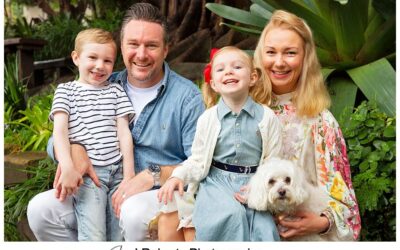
[(166, 191), (302, 223), (141, 182)]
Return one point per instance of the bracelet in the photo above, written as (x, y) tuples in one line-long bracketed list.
[(328, 214)]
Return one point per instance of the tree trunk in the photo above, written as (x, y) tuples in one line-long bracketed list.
[(186, 44), (200, 44), (45, 7), (189, 22)]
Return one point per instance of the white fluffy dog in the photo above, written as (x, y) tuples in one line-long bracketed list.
[(280, 187)]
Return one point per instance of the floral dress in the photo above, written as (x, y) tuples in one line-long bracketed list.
[(317, 145)]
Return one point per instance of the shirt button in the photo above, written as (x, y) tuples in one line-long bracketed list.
[(236, 161), (237, 124), (237, 145)]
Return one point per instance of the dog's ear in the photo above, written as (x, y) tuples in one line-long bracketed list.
[(258, 193)]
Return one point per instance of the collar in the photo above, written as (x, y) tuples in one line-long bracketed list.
[(248, 107), (282, 99)]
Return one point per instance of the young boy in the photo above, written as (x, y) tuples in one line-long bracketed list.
[(96, 114)]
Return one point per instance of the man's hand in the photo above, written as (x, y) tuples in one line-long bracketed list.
[(82, 165), (141, 182)]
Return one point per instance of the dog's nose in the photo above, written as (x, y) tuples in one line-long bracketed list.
[(282, 192)]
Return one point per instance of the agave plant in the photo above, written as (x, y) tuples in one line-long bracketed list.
[(355, 42)]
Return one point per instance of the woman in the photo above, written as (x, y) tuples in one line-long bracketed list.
[(312, 138)]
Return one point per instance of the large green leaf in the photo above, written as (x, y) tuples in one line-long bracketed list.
[(381, 43), (249, 31), (343, 94), (377, 81), (326, 57), (349, 22), (373, 25), (264, 5), (260, 11), (326, 72), (237, 15), (323, 9)]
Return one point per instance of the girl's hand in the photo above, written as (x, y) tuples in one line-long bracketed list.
[(303, 223), (166, 191), (243, 194)]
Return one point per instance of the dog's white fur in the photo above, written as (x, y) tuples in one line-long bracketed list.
[(280, 187)]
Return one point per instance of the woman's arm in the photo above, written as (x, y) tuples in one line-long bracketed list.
[(333, 171)]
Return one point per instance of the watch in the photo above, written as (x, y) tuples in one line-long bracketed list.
[(155, 171)]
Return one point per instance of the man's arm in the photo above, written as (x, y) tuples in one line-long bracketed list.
[(141, 182), (81, 163), (126, 147), (166, 172)]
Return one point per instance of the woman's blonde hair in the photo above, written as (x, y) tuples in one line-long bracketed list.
[(311, 95), (210, 97)]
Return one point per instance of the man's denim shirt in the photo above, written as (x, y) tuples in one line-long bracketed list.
[(164, 131)]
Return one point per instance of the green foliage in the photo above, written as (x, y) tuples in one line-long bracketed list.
[(371, 140), (111, 21), (60, 33), (14, 89), (33, 129), (17, 197), (19, 28)]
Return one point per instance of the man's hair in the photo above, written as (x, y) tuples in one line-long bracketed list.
[(145, 12), (94, 35)]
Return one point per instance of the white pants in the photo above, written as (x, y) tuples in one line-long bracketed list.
[(52, 220)]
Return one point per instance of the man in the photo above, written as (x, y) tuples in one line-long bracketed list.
[(167, 107)]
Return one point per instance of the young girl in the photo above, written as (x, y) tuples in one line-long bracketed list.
[(232, 138)]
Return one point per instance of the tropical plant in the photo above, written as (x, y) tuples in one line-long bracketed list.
[(111, 21), (355, 42), (33, 129), (59, 32), (14, 88), (371, 143), (19, 28), (17, 197)]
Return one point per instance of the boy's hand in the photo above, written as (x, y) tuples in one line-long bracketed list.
[(166, 191), (82, 164), (68, 183)]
